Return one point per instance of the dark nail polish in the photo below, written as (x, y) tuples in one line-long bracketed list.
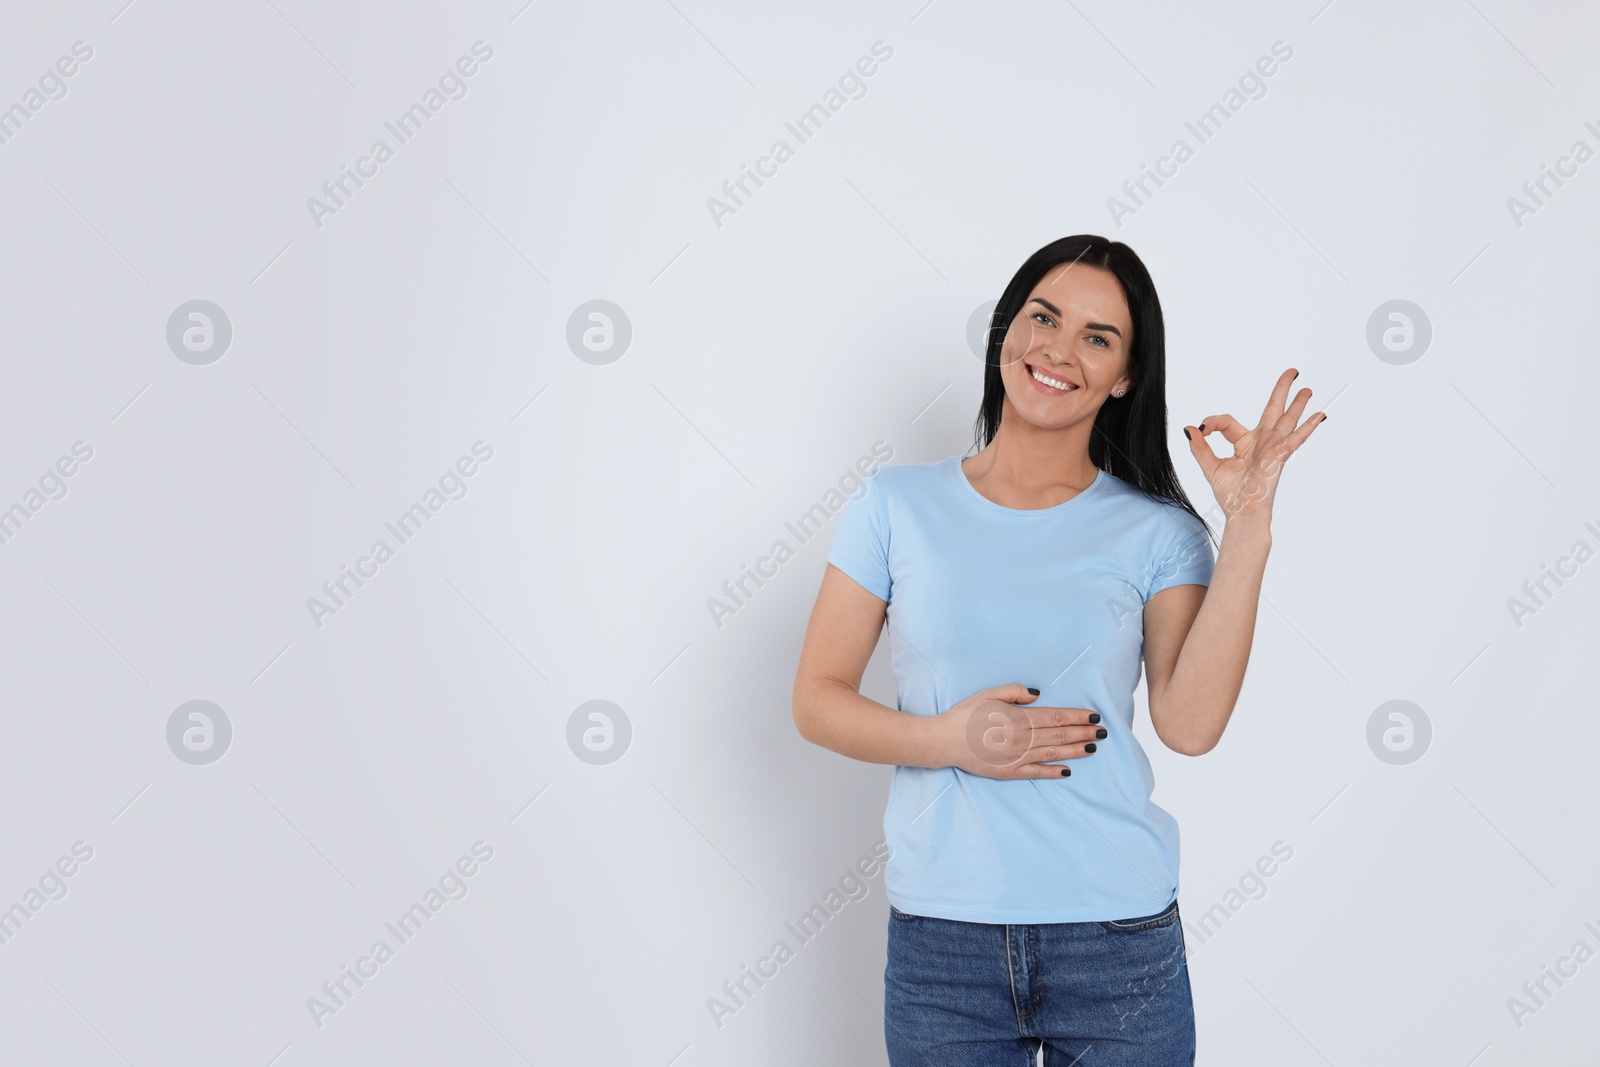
[(1296, 375), (1089, 747), (1101, 733), (1066, 772), (1186, 435), (1035, 692), (1202, 427), (1094, 716)]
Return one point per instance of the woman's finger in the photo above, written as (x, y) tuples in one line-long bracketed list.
[(1291, 417), (1298, 438), (1066, 735), (1036, 770), (1200, 449), (1280, 394), (1047, 717), (1051, 753), (1228, 426)]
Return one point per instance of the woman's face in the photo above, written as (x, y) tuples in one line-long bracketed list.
[(1075, 330)]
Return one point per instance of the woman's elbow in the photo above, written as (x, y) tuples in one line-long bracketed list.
[(1187, 744), (1190, 747), (803, 709)]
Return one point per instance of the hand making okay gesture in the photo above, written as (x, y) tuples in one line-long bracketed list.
[(1246, 482)]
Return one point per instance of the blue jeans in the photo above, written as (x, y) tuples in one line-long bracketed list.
[(1093, 994)]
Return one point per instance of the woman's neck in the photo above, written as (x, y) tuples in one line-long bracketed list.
[(1033, 468)]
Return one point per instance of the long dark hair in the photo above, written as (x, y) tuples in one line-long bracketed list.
[(1130, 434)]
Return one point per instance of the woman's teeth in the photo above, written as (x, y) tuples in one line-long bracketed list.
[(1046, 379)]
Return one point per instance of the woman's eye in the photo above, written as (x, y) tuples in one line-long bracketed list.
[(1103, 342), (1037, 315)]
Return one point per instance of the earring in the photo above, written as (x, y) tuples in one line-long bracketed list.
[(1119, 392)]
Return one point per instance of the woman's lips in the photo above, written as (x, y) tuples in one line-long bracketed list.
[(1048, 390)]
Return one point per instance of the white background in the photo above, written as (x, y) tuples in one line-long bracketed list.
[(767, 355)]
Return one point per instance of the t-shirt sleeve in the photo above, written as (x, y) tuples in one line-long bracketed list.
[(1188, 558), (861, 539)]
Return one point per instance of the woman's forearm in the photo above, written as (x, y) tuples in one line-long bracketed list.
[(837, 717), (1209, 673)]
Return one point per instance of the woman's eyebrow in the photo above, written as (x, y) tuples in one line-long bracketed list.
[(1088, 325)]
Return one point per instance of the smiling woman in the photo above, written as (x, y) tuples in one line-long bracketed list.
[(1034, 881)]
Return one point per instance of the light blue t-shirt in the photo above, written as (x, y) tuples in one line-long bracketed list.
[(982, 595)]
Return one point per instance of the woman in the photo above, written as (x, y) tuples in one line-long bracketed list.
[(1032, 882)]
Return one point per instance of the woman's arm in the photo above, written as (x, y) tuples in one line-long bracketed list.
[(1197, 641), (995, 732), (829, 709)]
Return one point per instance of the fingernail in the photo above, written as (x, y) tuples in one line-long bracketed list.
[(1066, 772), (1296, 375), (1100, 733), (1035, 692), (1089, 747), (1094, 716), (1202, 427), (1186, 435)]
